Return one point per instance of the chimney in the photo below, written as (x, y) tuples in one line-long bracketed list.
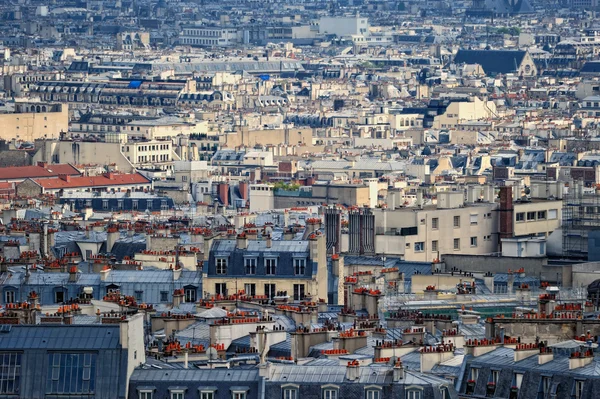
[(242, 241), (288, 234), (523, 351), (432, 355), (42, 164), (580, 358), (185, 358), (34, 299), (65, 177), (208, 240), (268, 241), (545, 355), (73, 274), (112, 235), (506, 210), (176, 272), (353, 370), (398, 372), (104, 273), (488, 280), (178, 298), (68, 319)]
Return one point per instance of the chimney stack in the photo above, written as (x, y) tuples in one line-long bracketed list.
[(398, 372), (104, 273), (242, 241), (268, 241), (178, 298), (353, 370)]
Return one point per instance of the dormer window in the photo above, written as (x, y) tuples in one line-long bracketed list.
[(250, 265), (299, 266), (221, 264)]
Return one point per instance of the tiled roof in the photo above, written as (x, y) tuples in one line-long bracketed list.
[(93, 181), (37, 171)]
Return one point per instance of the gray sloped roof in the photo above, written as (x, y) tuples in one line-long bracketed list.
[(74, 337), (492, 61)]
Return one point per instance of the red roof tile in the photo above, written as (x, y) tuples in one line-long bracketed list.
[(37, 171), (93, 181)]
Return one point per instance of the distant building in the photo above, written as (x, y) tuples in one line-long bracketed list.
[(495, 62), (209, 36)]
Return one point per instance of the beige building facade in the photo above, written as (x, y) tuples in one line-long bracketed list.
[(32, 121)]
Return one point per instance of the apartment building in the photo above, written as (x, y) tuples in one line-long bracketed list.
[(31, 121), (209, 36), (271, 268), (475, 226)]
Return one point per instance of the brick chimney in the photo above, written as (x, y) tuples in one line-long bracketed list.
[(507, 211), (65, 177)]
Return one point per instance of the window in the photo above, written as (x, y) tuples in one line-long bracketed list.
[(495, 376), (419, 246), (456, 221), (9, 297), (414, 394), (105, 204), (59, 296), (134, 204), (290, 393), (149, 204), (299, 266), (330, 393), (541, 215), (207, 395), (545, 387), (473, 241), (10, 373), (71, 373), (578, 389), (190, 294), (270, 290), (298, 292), (552, 213), (435, 223), (146, 394), (88, 203), (517, 380), (139, 295), (238, 395), (530, 215), (164, 296), (474, 373), (521, 217), (373, 394), (184, 178), (434, 246), (119, 204), (221, 265), (177, 394), (221, 289), (250, 264), (456, 244), (250, 289), (270, 266), (445, 392), (473, 219)]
